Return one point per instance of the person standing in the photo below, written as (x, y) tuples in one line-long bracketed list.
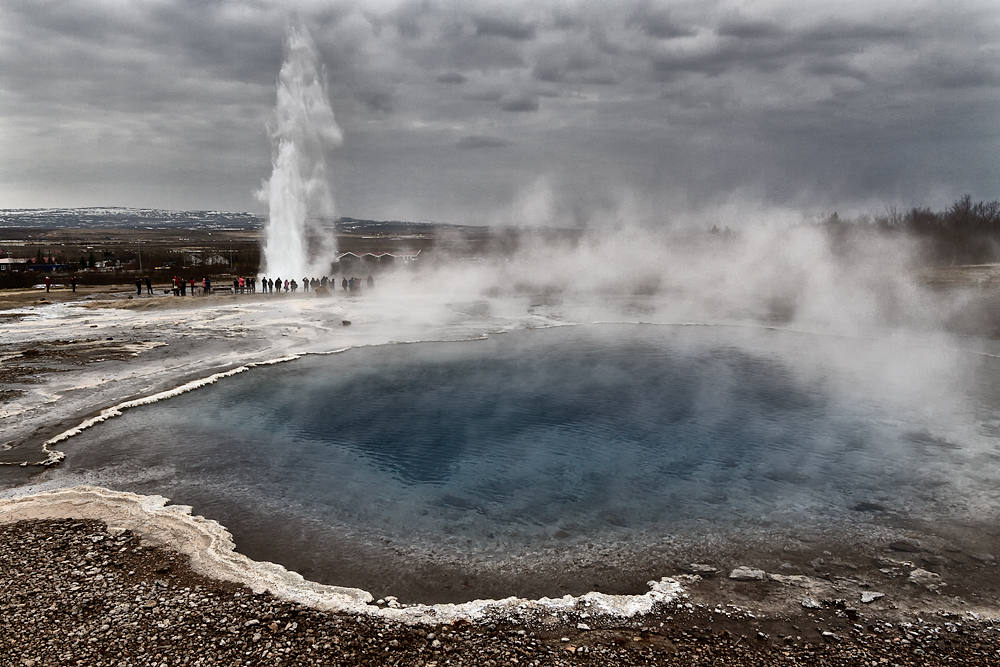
[(149, 286), (72, 283), (192, 287), (343, 283), (138, 286)]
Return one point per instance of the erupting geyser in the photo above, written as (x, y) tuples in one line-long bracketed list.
[(298, 191)]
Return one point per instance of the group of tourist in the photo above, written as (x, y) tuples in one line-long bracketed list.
[(178, 286), (248, 285), (351, 284)]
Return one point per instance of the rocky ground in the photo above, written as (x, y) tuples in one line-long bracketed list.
[(73, 593)]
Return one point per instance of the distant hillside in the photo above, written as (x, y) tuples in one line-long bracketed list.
[(126, 218), (154, 218)]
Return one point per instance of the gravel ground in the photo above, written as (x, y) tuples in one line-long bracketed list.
[(72, 593)]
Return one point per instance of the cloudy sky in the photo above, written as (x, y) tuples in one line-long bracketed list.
[(481, 111)]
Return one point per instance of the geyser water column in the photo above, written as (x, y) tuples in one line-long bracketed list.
[(302, 131)]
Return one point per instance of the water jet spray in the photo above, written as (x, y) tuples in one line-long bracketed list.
[(298, 192)]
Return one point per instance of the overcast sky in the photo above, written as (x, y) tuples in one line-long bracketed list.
[(481, 111)]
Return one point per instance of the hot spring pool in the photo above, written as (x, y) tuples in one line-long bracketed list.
[(422, 467)]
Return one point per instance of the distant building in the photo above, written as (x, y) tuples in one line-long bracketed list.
[(49, 267), (347, 260), (13, 264), (196, 259)]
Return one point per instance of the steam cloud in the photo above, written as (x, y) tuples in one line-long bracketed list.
[(299, 191)]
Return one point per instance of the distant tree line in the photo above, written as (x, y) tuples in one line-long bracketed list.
[(966, 232)]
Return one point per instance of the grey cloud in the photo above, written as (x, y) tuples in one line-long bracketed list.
[(836, 68), (519, 102), (378, 100), (451, 77), (766, 47), (481, 141), (497, 26), (407, 18), (840, 31), (483, 95), (949, 72), (573, 65), (657, 22), (897, 99), (749, 29)]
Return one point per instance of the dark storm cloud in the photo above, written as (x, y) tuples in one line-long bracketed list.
[(800, 103)]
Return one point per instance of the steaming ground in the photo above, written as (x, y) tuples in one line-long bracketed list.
[(86, 355)]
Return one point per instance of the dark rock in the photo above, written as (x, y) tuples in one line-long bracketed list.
[(905, 546)]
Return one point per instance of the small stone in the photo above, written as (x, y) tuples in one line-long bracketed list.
[(744, 573), (702, 569), (791, 579), (926, 578), (582, 626), (811, 603), (867, 597)]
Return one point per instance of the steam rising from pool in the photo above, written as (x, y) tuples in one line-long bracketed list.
[(298, 191)]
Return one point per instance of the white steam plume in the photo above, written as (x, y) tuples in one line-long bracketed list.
[(299, 188)]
